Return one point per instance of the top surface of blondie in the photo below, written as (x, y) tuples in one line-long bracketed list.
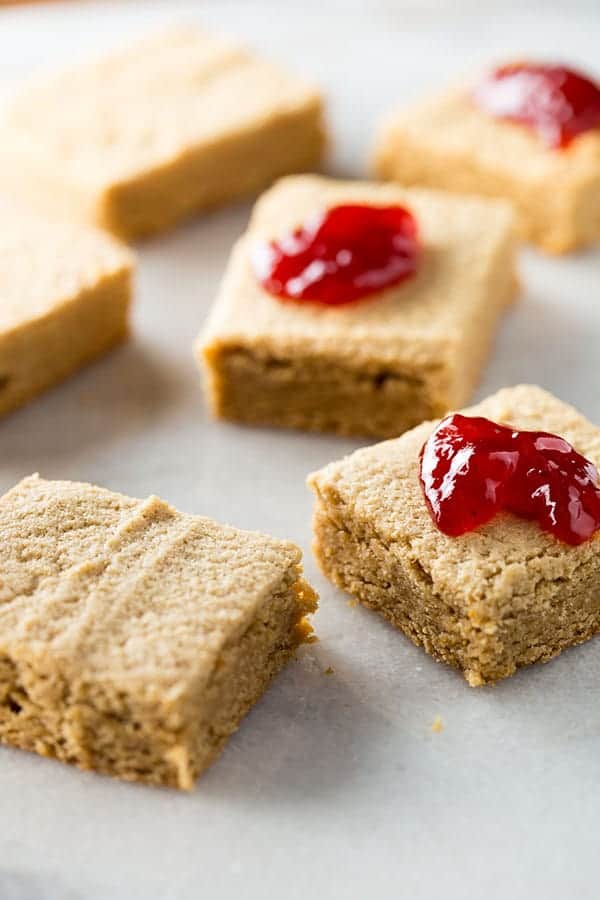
[(379, 487), (151, 102), (44, 263), (452, 123), (462, 239), (124, 590)]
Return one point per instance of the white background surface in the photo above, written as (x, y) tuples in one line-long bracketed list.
[(335, 786)]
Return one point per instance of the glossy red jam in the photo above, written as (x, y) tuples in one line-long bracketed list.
[(344, 254), (472, 468), (556, 102)]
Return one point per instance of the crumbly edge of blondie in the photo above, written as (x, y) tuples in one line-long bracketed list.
[(109, 727), (43, 351), (486, 641)]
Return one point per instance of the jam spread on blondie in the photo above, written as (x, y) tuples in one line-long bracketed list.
[(472, 468), (556, 102), (342, 255)]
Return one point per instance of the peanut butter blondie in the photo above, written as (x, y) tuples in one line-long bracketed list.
[(379, 365), (450, 143), (64, 300), (502, 596), (133, 638), (176, 123)]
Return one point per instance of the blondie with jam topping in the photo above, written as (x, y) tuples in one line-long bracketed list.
[(387, 358), (487, 601), (527, 133)]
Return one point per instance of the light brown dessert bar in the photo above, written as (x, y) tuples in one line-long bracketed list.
[(377, 366), (503, 596), (447, 142), (64, 299), (133, 639), (174, 124)]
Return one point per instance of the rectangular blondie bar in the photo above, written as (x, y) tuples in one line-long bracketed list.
[(376, 366), (133, 638), (487, 602), (176, 123)]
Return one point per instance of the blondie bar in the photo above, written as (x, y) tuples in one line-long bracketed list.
[(133, 638), (449, 142), (502, 596), (381, 364), (176, 123)]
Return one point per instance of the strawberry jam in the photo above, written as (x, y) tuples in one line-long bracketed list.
[(472, 468), (556, 102), (342, 255)]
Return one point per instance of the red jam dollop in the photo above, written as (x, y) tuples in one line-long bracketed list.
[(342, 255), (472, 468), (556, 102)]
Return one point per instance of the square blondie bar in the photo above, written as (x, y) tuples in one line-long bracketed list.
[(487, 602), (376, 366), (176, 123), (64, 300), (447, 142), (133, 638)]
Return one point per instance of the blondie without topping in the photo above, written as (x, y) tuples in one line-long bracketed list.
[(176, 123), (448, 142), (64, 300), (376, 366), (133, 638), (503, 596)]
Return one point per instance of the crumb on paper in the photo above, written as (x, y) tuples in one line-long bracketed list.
[(329, 670), (353, 603), (437, 725)]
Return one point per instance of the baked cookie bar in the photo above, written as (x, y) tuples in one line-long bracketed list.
[(133, 639), (176, 123), (383, 362), (488, 600), (64, 299), (454, 142)]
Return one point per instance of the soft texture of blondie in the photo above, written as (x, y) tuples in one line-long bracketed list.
[(503, 596), (133, 639), (377, 366), (64, 300), (174, 124), (449, 143)]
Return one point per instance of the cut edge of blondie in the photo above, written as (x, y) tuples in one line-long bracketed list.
[(47, 709), (315, 393)]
